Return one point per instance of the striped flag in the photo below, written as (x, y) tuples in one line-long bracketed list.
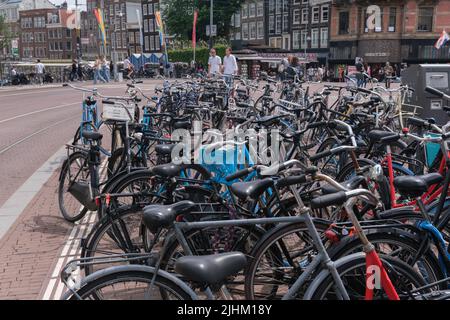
[(101, 25), (442, 40), (160, 26), (194, 29)]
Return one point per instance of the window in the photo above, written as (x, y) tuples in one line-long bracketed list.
[(295, 39), (286, 22), (279, 6), (285, 6), (150, 8), (237, 35), (124, 40), (152, 43), (68, 33), (244, 11), (156, 6), (146, 23), (260, 9), (271, 24), (260, 30), (69, 46), (392, 19), (157, 44), (305, 15), (252, 30), (237, 19), (278, 24), (245, 31), (425, 19), (144, 10), (314, 38), (296, 16), (147, 43), (343, 22), (111, 10), (325, 13), (324, 37), (271, 6), (151, 25), (252, 10), (315, 14), (303, 39)]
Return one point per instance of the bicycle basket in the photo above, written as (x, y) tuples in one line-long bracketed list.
[(117, 112)]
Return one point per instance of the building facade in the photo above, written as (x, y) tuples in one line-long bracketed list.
[(278, 26), (44, 36), (398, 31), (248, 25), (151, 36)]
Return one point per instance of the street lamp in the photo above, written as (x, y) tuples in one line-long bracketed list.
[(308, 39), (116, 25)]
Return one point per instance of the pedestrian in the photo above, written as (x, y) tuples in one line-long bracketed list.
[(73, 73), (388, 72), (360, 73), (230, 67), (105, 68), (97, 71), (214, 63), (128, 67), (40, 69), (310, 74), (320, 74), (111, 70), (80, 71)]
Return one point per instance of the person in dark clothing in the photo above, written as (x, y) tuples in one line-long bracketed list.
[(80, 72), (73, 73)]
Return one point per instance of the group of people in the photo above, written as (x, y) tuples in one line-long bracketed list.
[(102, 70), (228, 67), (364, 72)]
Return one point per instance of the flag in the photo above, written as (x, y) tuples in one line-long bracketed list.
[(194, 29), (442, 40), (160, 27), (101, 25)]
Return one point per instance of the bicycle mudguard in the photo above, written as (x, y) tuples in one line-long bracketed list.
[(137, 268)]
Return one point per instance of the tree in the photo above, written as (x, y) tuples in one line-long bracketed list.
[(5, 34), (178, 16)]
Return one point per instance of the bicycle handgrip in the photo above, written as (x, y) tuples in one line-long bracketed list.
[(238, 174), (388, 139), (138, 82), (289, 181), (417, 122), (107, 102), (315, 125), (337, 126), (337, 198), (434, 91), (320, 155), (364, 90)]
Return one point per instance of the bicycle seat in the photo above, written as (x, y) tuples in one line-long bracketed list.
[(244, 105), (251, 189), (158, 216), (432, 178), (91, 135), (164, 149), (182, 125), (375, 136), (351, 184), (268, 121), (411, 186), (210, 269), (167, 170)]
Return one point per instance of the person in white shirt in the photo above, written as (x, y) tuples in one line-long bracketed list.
[(230, 67), (40, 71), (214, 63)]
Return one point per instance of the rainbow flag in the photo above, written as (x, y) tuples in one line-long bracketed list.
[(443, 39), (159, 25), (101, 25)]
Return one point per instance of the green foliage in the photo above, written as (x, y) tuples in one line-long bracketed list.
[(5, 33), (201, 54), (178, 17)]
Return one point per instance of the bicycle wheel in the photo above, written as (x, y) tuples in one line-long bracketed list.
[(130, 285), (75, 169), (278, 260), (352, 271)]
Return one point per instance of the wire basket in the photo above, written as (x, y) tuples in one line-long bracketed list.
[(117, 112)]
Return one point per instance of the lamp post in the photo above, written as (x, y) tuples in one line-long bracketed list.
[(119, 14), (308, 39)]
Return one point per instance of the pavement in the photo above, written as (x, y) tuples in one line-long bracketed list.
[(35, 241)]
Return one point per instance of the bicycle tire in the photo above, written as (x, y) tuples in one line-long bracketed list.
[(61, 192)]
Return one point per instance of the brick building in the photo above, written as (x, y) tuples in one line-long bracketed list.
[(396, 31), (150, 33), (42, 35)]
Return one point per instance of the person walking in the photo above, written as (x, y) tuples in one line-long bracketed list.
[(230, 67), (97, 71), (105, 69), (360, 73), (80, 71), (128, 67), (73, 72), (214, 63), (40, 69), (388, 72)]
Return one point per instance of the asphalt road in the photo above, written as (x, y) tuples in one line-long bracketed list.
[(34, 124)]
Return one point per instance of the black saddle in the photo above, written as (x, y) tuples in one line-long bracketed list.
[(210, 269), (244, 105), (415, 186), (158, 216), (91, 135), (375, 136), (164, 149), (252, 189), (182, 125), (351, 184), (268, 121), (167, 170)]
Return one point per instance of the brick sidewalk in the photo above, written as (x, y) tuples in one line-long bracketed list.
[(29, 249)]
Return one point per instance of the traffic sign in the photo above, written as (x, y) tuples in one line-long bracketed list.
[(214, 30)]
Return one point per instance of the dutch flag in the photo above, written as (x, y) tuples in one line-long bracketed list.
[(442, 40)]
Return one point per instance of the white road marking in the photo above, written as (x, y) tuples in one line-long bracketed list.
[(38, 111), (33, 134), (25, 93)]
